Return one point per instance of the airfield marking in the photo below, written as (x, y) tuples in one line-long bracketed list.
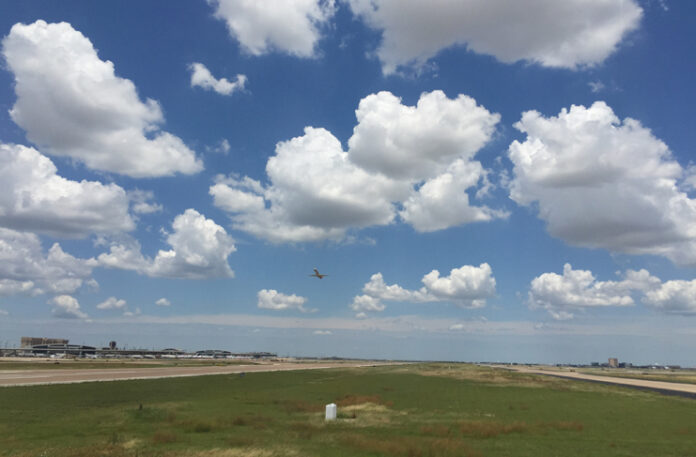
[(79, 375)]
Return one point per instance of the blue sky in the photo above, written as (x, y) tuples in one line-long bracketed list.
[(480, 181)]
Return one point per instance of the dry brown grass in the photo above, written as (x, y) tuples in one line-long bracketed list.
[(350, 399), (566, 425), (367, 415), (87, 451), (436, 430), (488, 375), (131, 444), (485, 429), (163, 437), (507, 377)]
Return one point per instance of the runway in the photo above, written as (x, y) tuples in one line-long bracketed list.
[(660, 386), (30, 377)]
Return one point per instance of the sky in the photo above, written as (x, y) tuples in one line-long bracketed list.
[(480, 181)]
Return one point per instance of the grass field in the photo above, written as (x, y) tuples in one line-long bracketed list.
[(411, 411)]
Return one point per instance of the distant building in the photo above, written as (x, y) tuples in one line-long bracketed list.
[(62, 348), (213, 353), (613, 362), (29, 341)]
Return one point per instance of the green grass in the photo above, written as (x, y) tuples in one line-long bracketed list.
[(419, 410)]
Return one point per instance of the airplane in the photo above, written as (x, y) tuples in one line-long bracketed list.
[(317, 274)]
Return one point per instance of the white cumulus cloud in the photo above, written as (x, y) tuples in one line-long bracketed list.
[(199, 249), (289, 26), (603, 183), (443, 201), (72, 104), (15, 287), (222, 147), (576, 290), (272, 299), (468, 287), (34, 197), (316, 193), (136, 312), (418, 142), (66, 307), (673, 297), (418, 157), (24, 268), (377, 288), (568, 34), (141, 202), (163, 302), (201, 77), (362, 304), (113, 303)]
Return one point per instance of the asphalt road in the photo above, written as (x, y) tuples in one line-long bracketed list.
[(69, 376)]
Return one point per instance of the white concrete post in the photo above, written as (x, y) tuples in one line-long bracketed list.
[(331, 411)]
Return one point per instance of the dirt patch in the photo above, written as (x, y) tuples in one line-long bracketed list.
[(366, 415), (242, 452), (131, 444)]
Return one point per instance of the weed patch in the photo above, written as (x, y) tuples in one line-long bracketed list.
[(257, 422), (482, 429), (412, 447), (163, 437), (240, 441), (349, 400), (148, 414), (304, 430), (300, 406), (202, 427), (566, 426), (436, 430)]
